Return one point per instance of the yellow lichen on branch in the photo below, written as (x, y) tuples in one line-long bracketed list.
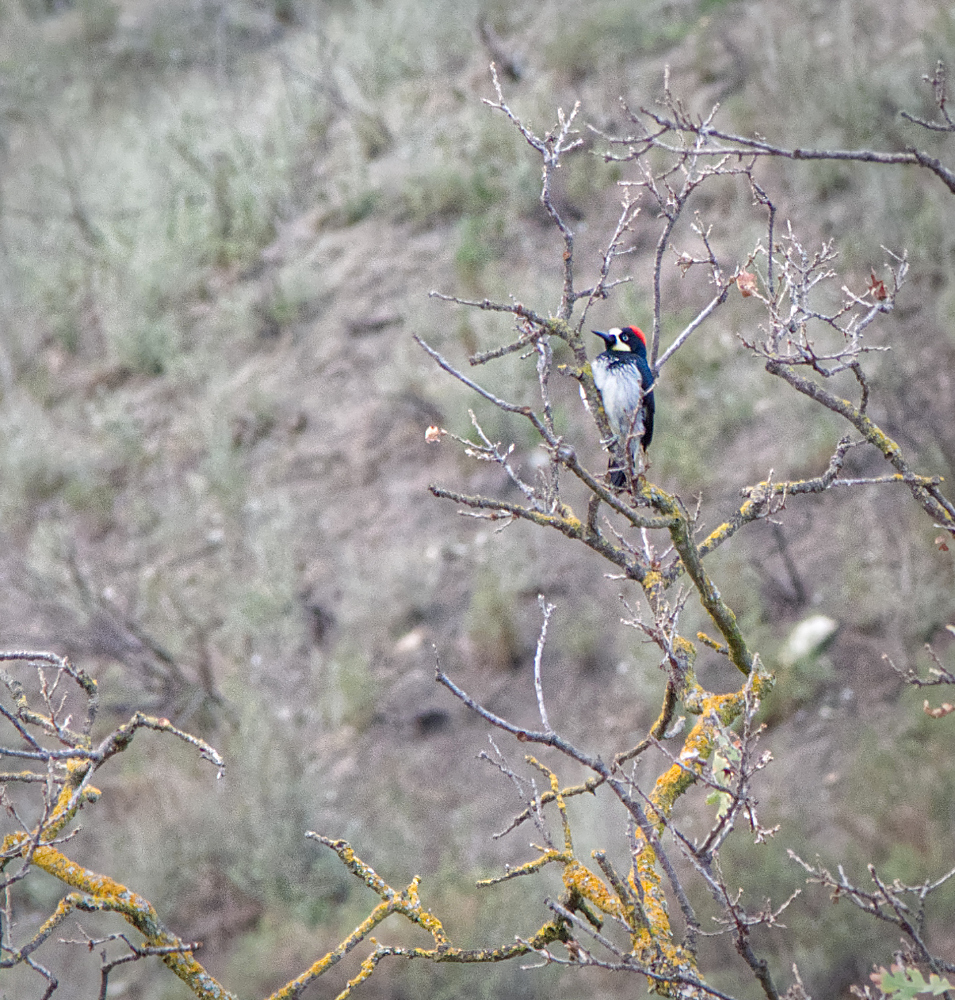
[(681, 535), (406, 903), (100, 892), (64, 780)]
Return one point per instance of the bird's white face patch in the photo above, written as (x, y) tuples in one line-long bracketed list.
[(618, 344)]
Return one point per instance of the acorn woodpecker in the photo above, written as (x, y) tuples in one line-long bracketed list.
[(624, 380)]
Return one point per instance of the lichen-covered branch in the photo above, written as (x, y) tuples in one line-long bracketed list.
[(60, 745), (405, 903)]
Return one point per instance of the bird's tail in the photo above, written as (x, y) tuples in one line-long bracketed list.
[(618, 476), (617, 470)]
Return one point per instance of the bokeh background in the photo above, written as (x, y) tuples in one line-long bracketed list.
[(219, 224)]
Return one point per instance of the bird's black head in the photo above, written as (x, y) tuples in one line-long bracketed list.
[(630, 338)]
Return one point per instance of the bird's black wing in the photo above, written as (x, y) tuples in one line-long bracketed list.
[(649, 408)]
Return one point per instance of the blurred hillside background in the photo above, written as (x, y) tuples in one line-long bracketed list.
[(219, 225)]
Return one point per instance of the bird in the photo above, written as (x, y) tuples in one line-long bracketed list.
[(624, 380)]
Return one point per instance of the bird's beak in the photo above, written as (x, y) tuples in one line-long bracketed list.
[(607, 339)]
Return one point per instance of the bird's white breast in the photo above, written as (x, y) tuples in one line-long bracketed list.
[(621, 390)]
